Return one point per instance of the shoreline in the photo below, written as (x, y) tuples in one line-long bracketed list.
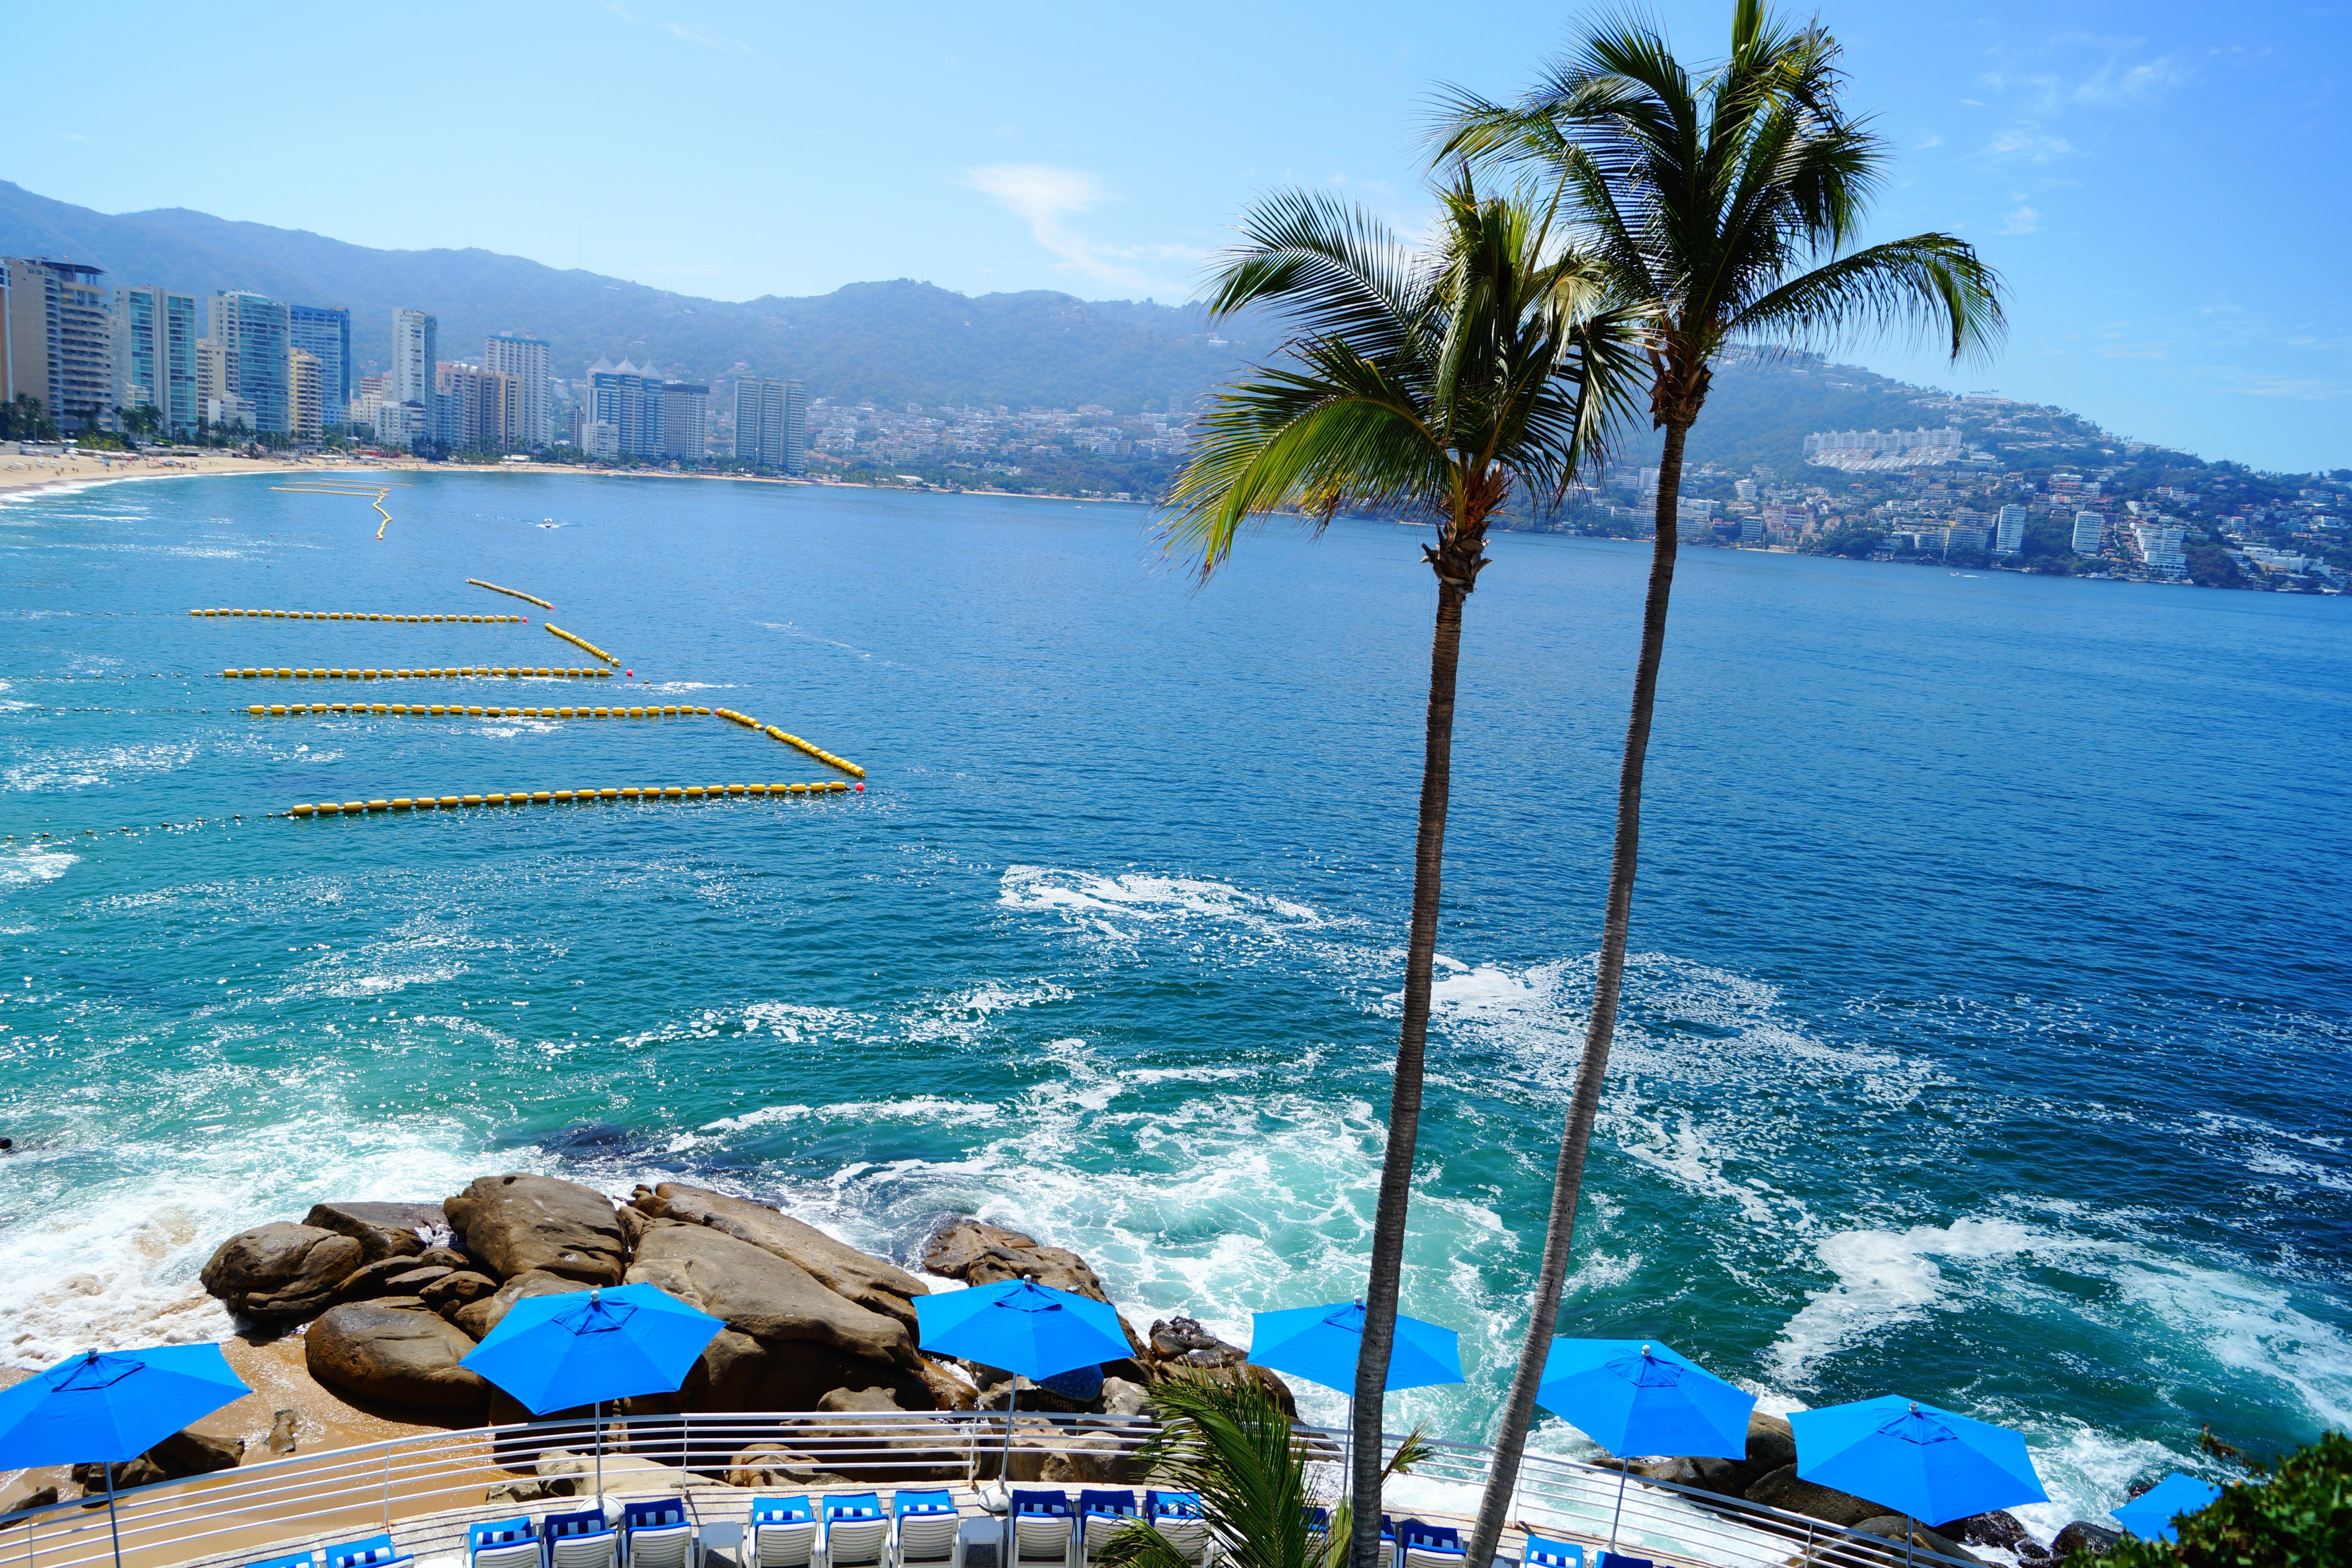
[(39, 475)]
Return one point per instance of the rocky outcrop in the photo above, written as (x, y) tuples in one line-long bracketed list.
[(279, 1272), (876, 1286), (1782, 1490), (762, 1295), (181, 1454), (2092, 1540), (1894, 1527), (478, 1317), (409, 1359), (398, 1275), (382, 1230), (458, 1288), (961, 1247), (737, 1372), (518, 1224)]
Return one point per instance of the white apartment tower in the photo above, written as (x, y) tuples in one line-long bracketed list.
[(2090, 533), (155, 354), (525, 359), (415, 351), (2010, 535)]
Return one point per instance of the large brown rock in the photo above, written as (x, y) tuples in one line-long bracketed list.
[(876, 1286), (479, 1315), (736, 1371), (460, 1288), (958, 1240), (382, 1230), (394, 1357), (398, 1275), (280, 1272), (517, 1224), (1782, 1490), (1894, 1527), (762, 1295)]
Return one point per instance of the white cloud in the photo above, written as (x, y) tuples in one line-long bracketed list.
[(2023, 220), (1044, 195), (702, 36), (2027, 142)]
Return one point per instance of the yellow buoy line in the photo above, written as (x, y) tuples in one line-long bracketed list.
[(376, 496), (370, 616), (813, 750), (564, 797), (471, 671), (582, 643), (463, 710), (514, 593)]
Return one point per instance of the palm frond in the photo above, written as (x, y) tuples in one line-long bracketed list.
[(1930, 281)]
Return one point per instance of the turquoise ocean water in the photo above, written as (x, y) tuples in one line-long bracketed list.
[(1987, 1041)]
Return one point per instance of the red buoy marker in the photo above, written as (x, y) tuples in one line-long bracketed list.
[(861, 789)]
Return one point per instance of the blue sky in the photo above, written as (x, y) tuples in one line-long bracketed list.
[(2163, 184)]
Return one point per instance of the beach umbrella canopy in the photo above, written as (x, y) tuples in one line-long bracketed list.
[(1322, 1344), (112, 1405), (559, 1353), (1637, 1396), (1025, 1328), (1924, 1463), (2150, 1515)]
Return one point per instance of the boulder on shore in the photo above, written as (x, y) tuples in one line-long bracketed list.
[(400, 1274), (1893, 1527), (764, 1296), (280, 1272), (479, 1315), (871, 1283), (961, 1247), (1782, 1490), (517, 1224), (394, 1357), (737, 1372), (382, 1230), (2095, 1540)]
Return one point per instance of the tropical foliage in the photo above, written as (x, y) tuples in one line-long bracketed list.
[(1726, 207), (1430, 387), (2296, 1516)]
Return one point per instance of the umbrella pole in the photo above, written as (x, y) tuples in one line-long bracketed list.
[(1004, 1471), (112, 1529), (1621, 1466), (1908, 1533), (599, 1419)]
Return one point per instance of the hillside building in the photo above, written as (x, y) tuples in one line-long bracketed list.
[(2008, 534), (2090, 533)]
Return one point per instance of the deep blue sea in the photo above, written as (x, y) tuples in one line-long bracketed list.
[(1987, 1039)]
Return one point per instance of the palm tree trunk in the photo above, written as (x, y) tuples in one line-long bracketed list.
[(1600, 1029), (1404, 1100)]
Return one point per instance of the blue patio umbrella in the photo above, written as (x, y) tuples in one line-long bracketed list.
[(559, 1353), (1636, 1396), (1030, 1330), (1926, 1463), (1323, 1344), (2150, 1515), (103, 1407)]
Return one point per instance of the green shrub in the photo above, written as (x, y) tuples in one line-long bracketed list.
[(2298, 1516)]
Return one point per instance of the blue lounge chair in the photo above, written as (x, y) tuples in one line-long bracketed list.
[(783, 1533), (659, 1534), (1177, 1517), (1040, 1528), (1543, 1553), (502, 1543), (1101, 1515), (926, 1529), (1619, 1559), (580, 1540), (375, 1551), (856, 1531), (300, 1560), (1429, 1545)]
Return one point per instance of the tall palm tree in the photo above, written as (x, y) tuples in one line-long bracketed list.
[(1434, 385), (1727, 205)]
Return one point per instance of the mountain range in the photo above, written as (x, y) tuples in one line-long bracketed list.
[(887, 343)]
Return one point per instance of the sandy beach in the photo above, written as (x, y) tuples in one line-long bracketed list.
[(36, 473)]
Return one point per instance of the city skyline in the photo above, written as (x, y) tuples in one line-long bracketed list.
[(2098, 153)]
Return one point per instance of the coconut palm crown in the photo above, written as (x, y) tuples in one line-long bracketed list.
[(1726, 207), (1435, 387)]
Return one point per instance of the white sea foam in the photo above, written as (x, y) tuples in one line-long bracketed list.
[(29, 865), (70, 769)]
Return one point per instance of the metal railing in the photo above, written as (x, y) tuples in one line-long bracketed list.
[(427, 1489)]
